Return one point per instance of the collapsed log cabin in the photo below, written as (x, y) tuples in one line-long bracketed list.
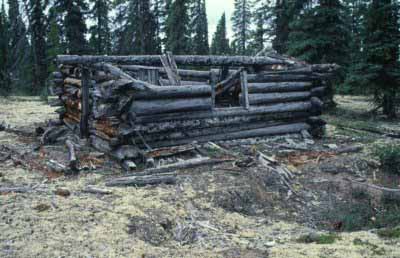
[(130, 105)]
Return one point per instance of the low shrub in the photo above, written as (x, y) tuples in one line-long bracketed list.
[(389, 156)]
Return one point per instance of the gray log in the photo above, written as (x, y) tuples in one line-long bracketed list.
[(192, 75), (142, 107), (166, 92), (279, 87), (169, 126), (182, 83), (228, 112), (143, 180), (180, 60), (261, 132), (280, 78), (268, 98), (73, 160)]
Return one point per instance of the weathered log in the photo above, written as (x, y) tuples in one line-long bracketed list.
[(100, 144), (166, 152), (73, 81), (260, 132), (84, 123), (128, 165), (279, 87), (229, 83), (95, 190), (125, 152), (143, 180), (182, 83), (174, 92), (57, 75), (142, 107), (201, 132), (72, 158), (180, 60), (244, 98), (318, 92), (171, 69), (280, 78), (268, 98), (15, 189), (317, 106), (228, 112), (185, 125), (186, 74), (186, 164)]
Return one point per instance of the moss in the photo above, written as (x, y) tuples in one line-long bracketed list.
[(389, 232), (322, 239)]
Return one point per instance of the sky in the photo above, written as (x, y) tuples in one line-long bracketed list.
[(215, 8)]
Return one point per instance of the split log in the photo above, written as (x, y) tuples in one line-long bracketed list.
[(228, 112), (142, 107), (180, 60), (279, 87), (269, 98), (143, 180)]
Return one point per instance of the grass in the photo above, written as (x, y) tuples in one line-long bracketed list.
[(389, 232), (322, 239), (389, 156), (376, 250)]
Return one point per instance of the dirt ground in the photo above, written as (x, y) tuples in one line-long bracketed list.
[(236, 209)]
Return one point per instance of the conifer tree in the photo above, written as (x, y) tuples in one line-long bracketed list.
[(38, 41), (177, 31), (241, 20), (54, 45), (319, 34), (382, 70), (74, 25), (160, 16), (5, 83), (220, 42), (100, 35), (199, 26), (19, 54)]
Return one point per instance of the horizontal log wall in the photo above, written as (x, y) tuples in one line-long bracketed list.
[(129, 110)]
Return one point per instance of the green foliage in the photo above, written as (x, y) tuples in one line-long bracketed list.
[(241, 21), (322, 239), (389, 156), (178, 33), (100, 32), (199, 27), (5, 82), (389, 232), (220, 42)]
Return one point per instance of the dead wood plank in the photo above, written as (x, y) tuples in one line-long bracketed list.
[(84, 123), (245, 90), (171, 69)]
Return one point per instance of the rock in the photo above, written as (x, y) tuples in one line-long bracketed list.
[(63, 192), (42, 207)]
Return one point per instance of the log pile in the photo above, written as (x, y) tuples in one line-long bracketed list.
[(130, 105)]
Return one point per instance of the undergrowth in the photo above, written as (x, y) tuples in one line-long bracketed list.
[(389, 157)]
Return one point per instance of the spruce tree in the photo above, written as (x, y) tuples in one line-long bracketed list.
[(120, 44), (319, 34), (381, 70), (199, 26), (241, 20), (54, 42), (74, 25), (100, 35), (220, 42), (5, 84), (19, 54), (160, 16), (177, 31), (38, 41)]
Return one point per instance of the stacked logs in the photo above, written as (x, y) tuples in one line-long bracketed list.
[(130, 105)]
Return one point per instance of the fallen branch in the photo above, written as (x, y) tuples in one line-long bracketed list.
[(191, 163), (381, 188), (143, 180), (370, 130), (94, 190)]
